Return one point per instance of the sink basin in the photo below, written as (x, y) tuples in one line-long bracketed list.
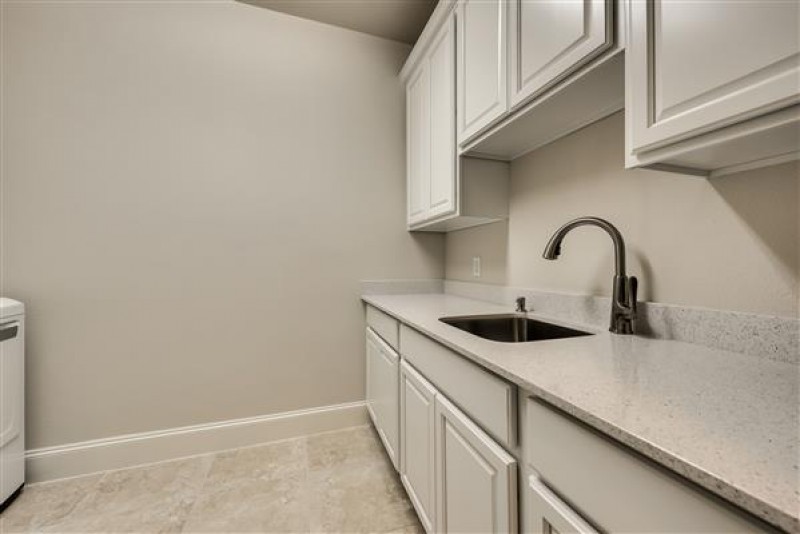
[(511, 328)]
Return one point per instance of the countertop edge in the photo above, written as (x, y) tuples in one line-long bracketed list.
[(756, 506)]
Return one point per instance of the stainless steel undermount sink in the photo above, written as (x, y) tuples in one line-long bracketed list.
[(511, 328)]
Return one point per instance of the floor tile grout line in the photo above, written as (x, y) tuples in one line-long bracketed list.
[(90, 492), (199, 491), (206, 462), (307, 486)]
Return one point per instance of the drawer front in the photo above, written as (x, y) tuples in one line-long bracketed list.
[(613, 487), (487, 399), (384, 325)]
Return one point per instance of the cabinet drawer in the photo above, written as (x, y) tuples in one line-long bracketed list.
[(384, 325), (490, 401), (614, 488)]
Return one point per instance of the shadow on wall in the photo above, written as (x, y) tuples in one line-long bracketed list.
[(490, 242), (764, 209), (431, 247), (729, 243), (644, 272)]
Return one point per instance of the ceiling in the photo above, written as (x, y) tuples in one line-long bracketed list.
[(400, 20)]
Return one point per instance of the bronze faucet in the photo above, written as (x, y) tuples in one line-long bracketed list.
[(623, 299)]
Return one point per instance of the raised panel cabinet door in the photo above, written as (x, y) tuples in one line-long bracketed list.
[(550, 39), (418, 145), (481, 64), (476, 480), (547, 514), (442, 59), (692, 67), (383, 393), (417, 468)]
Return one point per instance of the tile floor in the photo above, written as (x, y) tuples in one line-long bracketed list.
[(334, 482)]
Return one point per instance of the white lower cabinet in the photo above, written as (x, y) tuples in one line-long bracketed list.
[(547, 514), (417, 401), (614, 489), (569, 478), (383, 366), (457, 477), (476, 480)]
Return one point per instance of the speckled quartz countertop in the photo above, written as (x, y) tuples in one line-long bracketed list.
[(727, 421)]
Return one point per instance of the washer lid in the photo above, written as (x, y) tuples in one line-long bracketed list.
[(10, 308)]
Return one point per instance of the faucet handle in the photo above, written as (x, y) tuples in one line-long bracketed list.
[(521, 305), (633, 285)]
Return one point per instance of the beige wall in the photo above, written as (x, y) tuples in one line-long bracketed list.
[(727, 243), (191, 194)]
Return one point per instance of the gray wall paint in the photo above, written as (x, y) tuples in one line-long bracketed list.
[(191, 194), (728, 243)]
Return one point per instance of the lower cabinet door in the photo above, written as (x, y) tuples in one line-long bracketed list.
[(476, 480), (383, 370), (547, 514), (417, 401)]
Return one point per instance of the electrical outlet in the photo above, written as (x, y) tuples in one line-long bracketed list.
[(476, 266)]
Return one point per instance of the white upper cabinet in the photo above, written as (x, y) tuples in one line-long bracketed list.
[(442, 195), (431, 127), (696, 67), (481, 52), (549, 39), (564, 71), (445, 192), (418, 147)]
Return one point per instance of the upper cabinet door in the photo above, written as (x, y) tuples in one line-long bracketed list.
[(418, 146), (481, 52), (442, 59), (550, 39), (695, 66), (476, 480)]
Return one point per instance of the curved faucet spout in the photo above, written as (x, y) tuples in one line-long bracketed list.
[(623, 301), (553, 248)]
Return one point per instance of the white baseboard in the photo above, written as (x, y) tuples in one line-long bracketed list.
[(117, 452)]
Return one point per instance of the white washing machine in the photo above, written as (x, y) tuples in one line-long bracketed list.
[(12, 399)]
